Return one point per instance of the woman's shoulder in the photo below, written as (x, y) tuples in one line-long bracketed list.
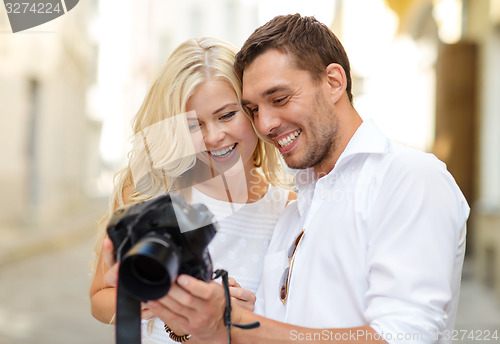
[(280, 196), (292, 196)]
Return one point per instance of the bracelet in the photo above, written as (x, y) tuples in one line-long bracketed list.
[(175, 337)]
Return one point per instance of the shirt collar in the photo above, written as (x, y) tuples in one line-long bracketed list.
[(367, 139)]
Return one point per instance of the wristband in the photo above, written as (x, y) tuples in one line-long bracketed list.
[(175, 337)]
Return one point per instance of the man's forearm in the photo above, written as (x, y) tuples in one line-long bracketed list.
[(274, 332)]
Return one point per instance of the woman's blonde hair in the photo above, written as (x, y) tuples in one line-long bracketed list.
[(161, 150)]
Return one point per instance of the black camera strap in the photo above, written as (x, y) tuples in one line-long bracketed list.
[(128, 317), (227, 310)]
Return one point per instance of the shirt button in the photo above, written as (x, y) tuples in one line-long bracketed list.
[(322, 196)]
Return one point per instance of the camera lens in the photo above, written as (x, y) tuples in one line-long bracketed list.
[(149, 268)]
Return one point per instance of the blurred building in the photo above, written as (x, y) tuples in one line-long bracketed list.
[(467, 109), (45, 136), (483, 32)]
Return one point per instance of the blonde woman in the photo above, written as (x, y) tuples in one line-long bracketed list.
[(192, 136)]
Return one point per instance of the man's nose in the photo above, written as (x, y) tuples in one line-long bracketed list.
[(266, 121)]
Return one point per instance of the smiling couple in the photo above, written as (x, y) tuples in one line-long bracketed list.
[(385, 258)]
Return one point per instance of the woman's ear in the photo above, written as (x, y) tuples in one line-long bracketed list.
[(337, 81)]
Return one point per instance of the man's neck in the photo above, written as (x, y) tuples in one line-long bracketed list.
[(347, 127)]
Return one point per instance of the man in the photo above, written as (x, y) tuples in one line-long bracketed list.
[(373, 249)]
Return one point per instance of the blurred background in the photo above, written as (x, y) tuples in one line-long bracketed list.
[(426, 71)]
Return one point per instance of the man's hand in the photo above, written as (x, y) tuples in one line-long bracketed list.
[(196, 307)]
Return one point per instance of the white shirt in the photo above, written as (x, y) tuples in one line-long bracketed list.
[(383, 246)]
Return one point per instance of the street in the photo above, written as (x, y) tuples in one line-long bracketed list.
[(44, 300)]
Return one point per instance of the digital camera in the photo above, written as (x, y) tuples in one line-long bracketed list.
[(159, 239)]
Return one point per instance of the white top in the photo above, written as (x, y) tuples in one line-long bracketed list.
[(383, 246), (239, 246)]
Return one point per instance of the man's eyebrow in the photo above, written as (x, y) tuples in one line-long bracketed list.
[(273, 90), (267, 92)]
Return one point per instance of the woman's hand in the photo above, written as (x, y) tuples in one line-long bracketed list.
[(146, 313), (242, 297), (111, 275)]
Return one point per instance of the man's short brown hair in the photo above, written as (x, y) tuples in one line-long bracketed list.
[(311, 44)]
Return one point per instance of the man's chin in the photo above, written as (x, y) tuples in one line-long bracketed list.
[(293, 164), (296, 162)]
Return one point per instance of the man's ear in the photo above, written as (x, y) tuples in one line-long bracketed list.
[(337, 81)]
